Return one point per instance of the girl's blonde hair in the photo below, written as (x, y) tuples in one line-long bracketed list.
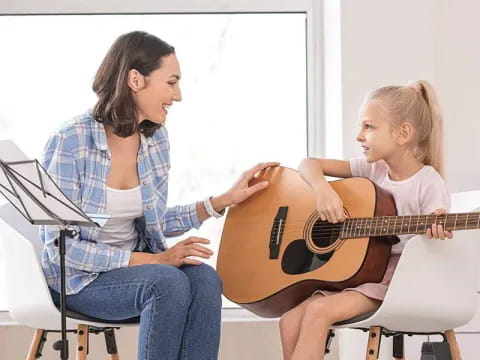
[(416, 103)]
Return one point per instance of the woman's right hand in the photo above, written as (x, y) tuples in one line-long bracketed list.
[(329, 204), (177, 255)]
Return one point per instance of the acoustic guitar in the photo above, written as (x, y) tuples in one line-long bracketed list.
[(275, 251)]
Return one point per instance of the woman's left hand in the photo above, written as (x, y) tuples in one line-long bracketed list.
[(240, 191), (437, 231)]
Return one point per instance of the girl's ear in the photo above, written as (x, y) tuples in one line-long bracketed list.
[(405, 133), (136, 81)]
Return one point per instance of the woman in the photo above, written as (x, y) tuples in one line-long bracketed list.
[(115, 160)]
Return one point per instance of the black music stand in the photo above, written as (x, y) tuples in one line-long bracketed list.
[(29, 188)]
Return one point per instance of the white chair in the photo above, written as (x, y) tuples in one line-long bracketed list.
[(29, 300), (433, 290)]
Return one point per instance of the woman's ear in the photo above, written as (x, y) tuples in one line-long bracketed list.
[(136, 81), (405, 133)]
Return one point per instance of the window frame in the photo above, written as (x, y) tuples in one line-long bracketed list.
[(314, 35)]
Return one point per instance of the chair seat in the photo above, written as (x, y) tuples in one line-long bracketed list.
[(354, 319), (78, 316)]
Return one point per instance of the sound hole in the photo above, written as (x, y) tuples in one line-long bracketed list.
[(298, 259), (324, 233)]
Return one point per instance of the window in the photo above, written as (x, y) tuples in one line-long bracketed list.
[(244, 86)]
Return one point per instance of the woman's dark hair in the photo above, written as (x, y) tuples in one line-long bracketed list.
[(115, 106)]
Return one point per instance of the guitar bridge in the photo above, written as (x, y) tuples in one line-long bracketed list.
[(277, 232)]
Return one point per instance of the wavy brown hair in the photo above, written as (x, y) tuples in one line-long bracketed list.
[(115, 106)]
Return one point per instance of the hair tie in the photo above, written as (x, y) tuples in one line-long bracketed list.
[(415, 86)]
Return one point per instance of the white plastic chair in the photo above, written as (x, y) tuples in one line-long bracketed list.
[(433, 290), (29, 300)]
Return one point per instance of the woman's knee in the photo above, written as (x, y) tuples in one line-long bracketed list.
[(204, 276), (166, 282)]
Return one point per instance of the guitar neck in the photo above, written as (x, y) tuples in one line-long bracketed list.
[(400, 225)]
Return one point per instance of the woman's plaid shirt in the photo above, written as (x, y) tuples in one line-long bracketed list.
[(78, 159)]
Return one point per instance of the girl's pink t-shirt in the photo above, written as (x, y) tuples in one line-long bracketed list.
[(420, 194)]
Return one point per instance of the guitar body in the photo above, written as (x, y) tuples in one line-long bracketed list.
[(270, 281)]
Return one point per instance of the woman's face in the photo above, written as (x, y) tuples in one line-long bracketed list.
[(158, 91)]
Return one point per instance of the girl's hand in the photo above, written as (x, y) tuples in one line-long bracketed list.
[(437, 231), (240, 191), (329, 205)]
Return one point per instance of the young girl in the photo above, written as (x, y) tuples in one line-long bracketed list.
[(401, 135)]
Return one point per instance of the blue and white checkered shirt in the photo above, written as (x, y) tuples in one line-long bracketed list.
[(78, 159)]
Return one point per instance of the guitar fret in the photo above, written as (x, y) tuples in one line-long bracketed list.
[(409, 224)]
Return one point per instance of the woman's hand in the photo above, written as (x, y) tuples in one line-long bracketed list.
[(177, 255), (437, 231), (240, 191), (180, 253), (329, 205)]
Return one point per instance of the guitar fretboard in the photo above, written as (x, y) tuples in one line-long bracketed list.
[(399, 225)]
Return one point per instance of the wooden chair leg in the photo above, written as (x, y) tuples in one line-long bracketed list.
[(82, 342), (452, 342), (36, 341), (373, 345)]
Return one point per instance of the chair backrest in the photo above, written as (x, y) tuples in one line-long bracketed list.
[(13, 218), (29, 300), (434, 287)]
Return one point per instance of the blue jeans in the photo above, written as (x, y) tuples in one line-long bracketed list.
[(179, 308)]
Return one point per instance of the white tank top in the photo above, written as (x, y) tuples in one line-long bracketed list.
[(124, 206)]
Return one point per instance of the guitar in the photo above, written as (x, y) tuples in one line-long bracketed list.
[(275, 251)]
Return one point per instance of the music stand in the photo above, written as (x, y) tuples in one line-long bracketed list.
[(29, 188)]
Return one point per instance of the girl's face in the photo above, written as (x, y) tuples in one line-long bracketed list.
[(158, 91), (376, 136)]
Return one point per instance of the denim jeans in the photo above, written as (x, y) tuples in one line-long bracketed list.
[(179, 308)]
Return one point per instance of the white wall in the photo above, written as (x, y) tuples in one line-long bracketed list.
[(390, 42)]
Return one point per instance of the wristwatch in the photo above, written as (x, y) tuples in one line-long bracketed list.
[(207, 204)]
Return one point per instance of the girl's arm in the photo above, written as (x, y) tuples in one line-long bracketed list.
[(313, 171)]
